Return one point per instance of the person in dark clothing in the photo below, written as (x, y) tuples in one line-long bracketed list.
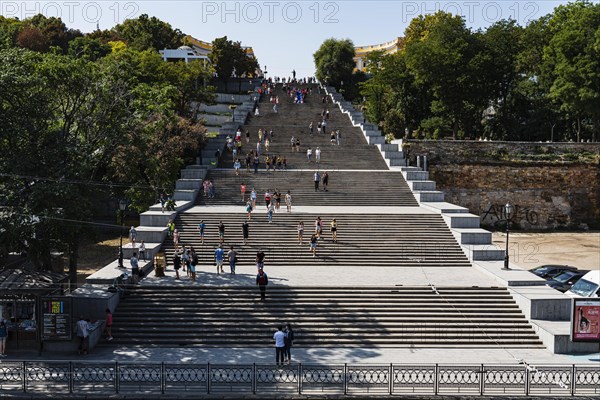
[(245, 229), (325, 180), (221, 232), (289, 341), (262, 281), (176, 264)]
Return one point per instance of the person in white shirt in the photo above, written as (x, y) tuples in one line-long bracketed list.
[(279, 338), (317, 155), (83, 333)]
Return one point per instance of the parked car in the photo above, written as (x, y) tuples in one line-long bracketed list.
[(588, 286), (551, 270), (564, 281)]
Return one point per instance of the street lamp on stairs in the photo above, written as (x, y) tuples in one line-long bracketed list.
[(508, 209)]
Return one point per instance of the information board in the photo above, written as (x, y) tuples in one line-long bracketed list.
[(56, 318), (585, 320)]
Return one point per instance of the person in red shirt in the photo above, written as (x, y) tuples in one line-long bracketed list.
[(109, 323)]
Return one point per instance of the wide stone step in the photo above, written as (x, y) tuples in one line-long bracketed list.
[(483, 252), (472, 235), (416, 175), (462, 220), (185, 194), (421, 186), (188, 184), (376, 140), (380, 240), (388, 147), (179, 206), (193, 173), (344, 319), (156, 218), (396, 162), (390, 187), (151, 234), (429, 196)]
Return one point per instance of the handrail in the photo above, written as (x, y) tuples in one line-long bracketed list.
[(126, 378)]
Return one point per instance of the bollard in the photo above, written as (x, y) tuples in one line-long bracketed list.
[(424, 163), (418, 161)]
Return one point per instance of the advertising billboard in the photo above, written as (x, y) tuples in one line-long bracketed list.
[(585, 320)]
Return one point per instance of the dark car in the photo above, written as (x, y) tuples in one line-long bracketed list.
[(551, 270), (564, 281)]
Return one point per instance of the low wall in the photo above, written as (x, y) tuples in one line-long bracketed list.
[(215, 120), (546, 194)]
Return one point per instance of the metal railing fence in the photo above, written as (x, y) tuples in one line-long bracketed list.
[(87, 377)]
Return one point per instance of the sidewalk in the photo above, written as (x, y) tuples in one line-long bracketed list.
[(412, 356)]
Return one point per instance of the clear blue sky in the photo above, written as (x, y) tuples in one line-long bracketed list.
[(284, 34)]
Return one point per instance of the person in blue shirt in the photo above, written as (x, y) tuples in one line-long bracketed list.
[(219, 253), (201, 227)]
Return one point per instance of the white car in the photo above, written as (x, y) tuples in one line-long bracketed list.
[(587, 286)]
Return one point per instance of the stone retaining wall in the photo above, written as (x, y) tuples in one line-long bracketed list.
[(546, 195)]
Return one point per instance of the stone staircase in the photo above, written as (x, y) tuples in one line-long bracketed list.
[(354, 151), (374, 240), (418, 230), (323, 317), (346, 188)]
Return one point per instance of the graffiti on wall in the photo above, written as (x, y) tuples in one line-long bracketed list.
[(497, 213)]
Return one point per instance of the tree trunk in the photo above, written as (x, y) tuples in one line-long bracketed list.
[(578, 129), (73, 250), (455, 129)]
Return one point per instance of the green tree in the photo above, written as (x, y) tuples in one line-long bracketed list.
[(188, 79), (440, 51), (9, 29), (88, 48), (54, 30), (145, 33), (223, 56), (334, 62), (69, 125), (572, 59)]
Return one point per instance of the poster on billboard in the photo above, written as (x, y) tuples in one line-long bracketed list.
[(585, 320), (56, 318)]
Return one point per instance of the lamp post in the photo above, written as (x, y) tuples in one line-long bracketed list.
[(508, 209), (232, 108), (122, 208)]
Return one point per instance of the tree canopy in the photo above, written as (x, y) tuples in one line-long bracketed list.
[(537, 82), (334, 62), (95, 119), (145, 33), (229, 59)]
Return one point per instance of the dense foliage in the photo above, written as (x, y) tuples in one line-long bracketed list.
[(230, 59), (334, 62), (102, 115), (539, 82)]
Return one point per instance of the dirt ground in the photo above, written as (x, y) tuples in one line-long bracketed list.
[(530, 250), (96, 254)]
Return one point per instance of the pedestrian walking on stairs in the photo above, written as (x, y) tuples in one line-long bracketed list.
[(317, 179), (262, 280), (245, 231)]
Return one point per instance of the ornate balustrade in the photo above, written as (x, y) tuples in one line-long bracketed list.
[(54, 377)]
